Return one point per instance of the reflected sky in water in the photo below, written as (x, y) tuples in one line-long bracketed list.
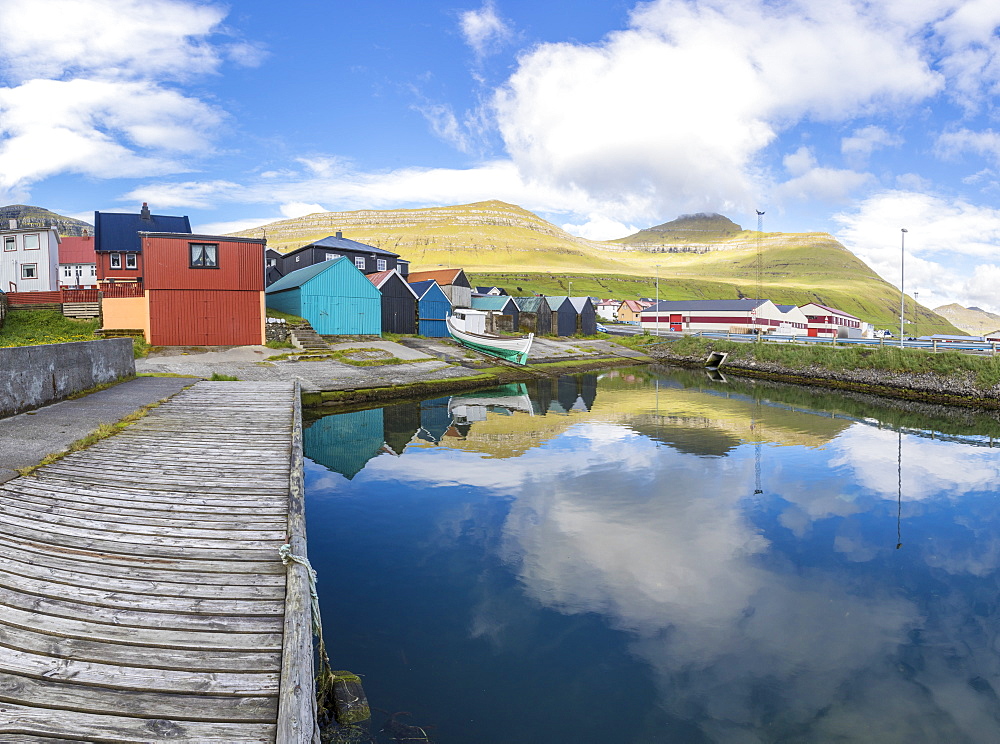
[(590, 560)]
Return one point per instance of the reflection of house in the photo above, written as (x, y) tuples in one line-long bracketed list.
[(334, 296), (30, 259), (434, 420), (534, 315), (399, 302), (502, 310), (453, 282), (345, 442), (77, 262), (399, 424), (827, 321), (196, 290), (367, 258), (117, 243), (433, 309)]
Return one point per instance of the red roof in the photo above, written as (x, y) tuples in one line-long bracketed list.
[(442, 276), (636, 306), (77, 249), (378, 277)]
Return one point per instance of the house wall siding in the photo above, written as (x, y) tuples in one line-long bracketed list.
[(203, 317)]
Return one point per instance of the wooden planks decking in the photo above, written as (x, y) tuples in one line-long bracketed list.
[(142, 595)]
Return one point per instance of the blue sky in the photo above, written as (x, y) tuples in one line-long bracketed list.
[(605, 117)]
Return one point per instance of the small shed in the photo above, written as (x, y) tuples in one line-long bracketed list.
[(433, 309), (399, 302), (453, 282), (563, 315), (534, 315), (586, 315), (334, 296), (503, 310)]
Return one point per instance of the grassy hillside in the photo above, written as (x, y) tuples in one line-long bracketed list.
[(495, 241)]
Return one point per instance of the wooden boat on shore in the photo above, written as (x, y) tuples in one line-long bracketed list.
[(468, 327)]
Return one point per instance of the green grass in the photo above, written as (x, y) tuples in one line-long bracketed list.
[(216, 377), (986, 370), (275, 344), (287, 317), (34, 327)]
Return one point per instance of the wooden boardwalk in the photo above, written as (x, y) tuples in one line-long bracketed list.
[(142, 595)]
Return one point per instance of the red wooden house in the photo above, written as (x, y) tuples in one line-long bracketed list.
[(195, 290)]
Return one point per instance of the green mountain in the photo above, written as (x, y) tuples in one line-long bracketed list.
[(503, 244), (28, 216), (686, 229)]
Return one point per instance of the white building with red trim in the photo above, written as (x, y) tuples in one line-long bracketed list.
[(723, 316), (827, 321)]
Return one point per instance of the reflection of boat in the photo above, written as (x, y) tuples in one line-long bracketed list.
[(505, 399), (468, 327)]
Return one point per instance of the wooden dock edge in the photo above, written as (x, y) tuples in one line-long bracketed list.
[(297, 722)]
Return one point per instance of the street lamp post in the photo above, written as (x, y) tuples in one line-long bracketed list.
[(571, 289), (916, 303), (902, 294)]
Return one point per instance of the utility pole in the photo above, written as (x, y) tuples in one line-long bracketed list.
[(657, 305), (902, 294), (759, 266)]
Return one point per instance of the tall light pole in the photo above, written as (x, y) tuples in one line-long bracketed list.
[(657, 306), (916, 312), (571, 289), (902, 294)]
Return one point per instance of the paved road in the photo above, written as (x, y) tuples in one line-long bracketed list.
[(27, 438)]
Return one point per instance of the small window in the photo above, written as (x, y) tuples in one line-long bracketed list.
[(29, 271), (272, 261), (131, 261), (93, 271), (298, 258), (9, 244), (31, 242), (116, 260), (67, 272), (381, 264), (204, 256), (331, 256), (359, 261)]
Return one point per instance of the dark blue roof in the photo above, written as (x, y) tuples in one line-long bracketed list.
[(345, 245), (114, 231), (421, 288)]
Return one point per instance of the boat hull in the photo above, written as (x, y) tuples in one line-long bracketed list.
[(509, 349)]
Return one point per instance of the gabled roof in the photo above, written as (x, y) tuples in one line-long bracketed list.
[(530, 304), (300, 276), (833, 310), (580, 302), (379, 278), (441, 276), (344, 244), (422, 288), (635, 306), (706, 305), (493, 302), (77, 249), (556, 301), (114, 231)]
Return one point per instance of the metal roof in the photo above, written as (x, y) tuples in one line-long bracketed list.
[(702, 305), (493, 302), (441, 276), (77, 249), (422, 288), (580, 302), (530, 304), (833, 310), (300, 276), (344, 244), (114, 231), (378, 278)]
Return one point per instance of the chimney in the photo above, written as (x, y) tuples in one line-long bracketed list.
[(340, 234), (144, 213), (12, 223), (86, 234)]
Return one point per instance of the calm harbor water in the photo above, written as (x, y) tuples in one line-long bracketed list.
[(648, 555)]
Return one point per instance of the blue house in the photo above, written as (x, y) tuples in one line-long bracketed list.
[(433, 307), (334, 296)]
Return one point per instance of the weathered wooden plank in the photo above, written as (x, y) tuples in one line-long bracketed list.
[(67, 574), (197, 660), (297, 723), (24, 721), (149, 602), (140, 618), (149, 637), (157, 500), (61, 695)]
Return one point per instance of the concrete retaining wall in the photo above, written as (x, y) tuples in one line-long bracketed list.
[(31, 376)]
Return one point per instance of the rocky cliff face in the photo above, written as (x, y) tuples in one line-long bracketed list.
[(28, 216), (972, 320)]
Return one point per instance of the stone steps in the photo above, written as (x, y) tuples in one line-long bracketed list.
[(304, 337)]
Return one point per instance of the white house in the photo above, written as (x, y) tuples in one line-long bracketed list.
[(77, 262), (719, 316), (828, 321), (29, 260)]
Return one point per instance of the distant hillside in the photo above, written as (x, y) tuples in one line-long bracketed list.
[(970, 319), (505, 244), (28, 216), (688, 228)]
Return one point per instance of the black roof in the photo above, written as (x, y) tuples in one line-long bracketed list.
[(114, 231), (345, 245), (681, 305)]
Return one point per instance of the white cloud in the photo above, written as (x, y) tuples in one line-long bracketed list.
[(858, 147), (951, 245), (446, 125), (300, 209), (600, 227), (483, 30), (809, 181), (951, 145)]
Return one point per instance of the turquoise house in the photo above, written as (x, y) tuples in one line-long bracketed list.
[(334, 296)]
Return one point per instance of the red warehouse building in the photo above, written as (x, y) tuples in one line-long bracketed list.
[(192, 290)]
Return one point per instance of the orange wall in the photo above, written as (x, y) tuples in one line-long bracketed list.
[(126, 312)]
